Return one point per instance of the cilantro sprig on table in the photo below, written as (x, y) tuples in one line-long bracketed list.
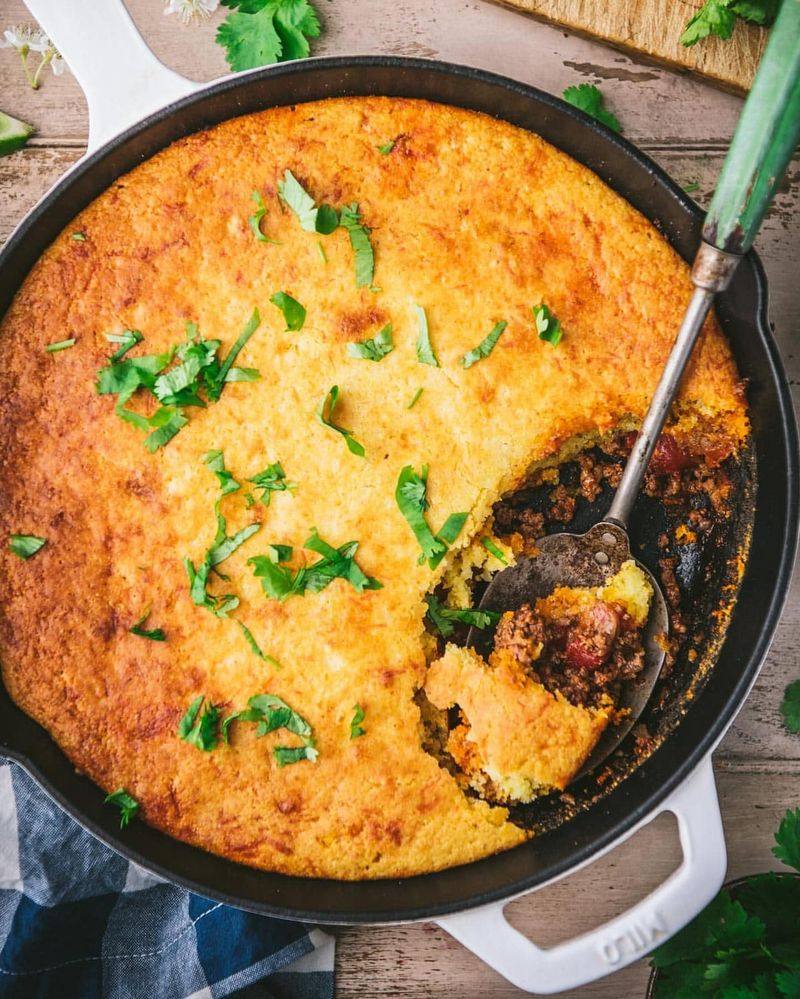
[(411, 495), (743, 947), (261, 32), (588, 98), (718, 17), (197, 379), (280, 582)]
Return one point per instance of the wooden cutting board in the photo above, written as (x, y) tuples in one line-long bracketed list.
[(652, 28)]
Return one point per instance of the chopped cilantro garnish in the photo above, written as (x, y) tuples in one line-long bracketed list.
[(790, 708), (485, 347), (321, 252), (25, 545), (216, 462), (198, 370), (415, 399), (492, 548), (586, 97), (272, 480), (425, 354), (547, 326), (350, 219), (201, 732), (325, 412), (249, 500), (223, 549), (442, 617), (254, 220), (220, 606), (155, 635), (254, 646), (323, 219), (279, 582), (126, 803), (293, 311), (412, 499), (355, 725), (376, 348), (53, 348), (386, 147), (273, 713), (79, 237)]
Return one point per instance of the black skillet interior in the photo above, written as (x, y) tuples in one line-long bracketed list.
[(743, 312)]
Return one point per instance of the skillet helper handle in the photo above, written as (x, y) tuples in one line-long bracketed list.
[(121, 78), (765, 139), (687, 891)]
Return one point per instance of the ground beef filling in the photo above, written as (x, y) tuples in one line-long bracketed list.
[(583, 657)]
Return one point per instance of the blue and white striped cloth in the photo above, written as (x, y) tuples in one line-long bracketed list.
[(78, 921)]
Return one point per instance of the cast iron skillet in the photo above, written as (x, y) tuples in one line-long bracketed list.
[(742, 311)]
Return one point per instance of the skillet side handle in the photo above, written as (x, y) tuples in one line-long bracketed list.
[(687, 891), (121, 78)]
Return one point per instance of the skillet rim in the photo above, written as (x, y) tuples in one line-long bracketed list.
[(634, 802)]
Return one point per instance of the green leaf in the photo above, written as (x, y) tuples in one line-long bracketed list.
[(53, 348), (355, 724), (286, 755), (681, 981), (296, 198), (387, 147), (492, 548), (254, 220), (220, 606), (761, 12), (443, 618), (375, 349), (216, 384), (26, 545), (787, 839), (272, 479), (415, 398), (713, 18), (225, 548), (250, 40), (293, 311), (201, 732), (451, 528), (216, 462), (485, 347), (321, 253), (790, 708), (547, 326), (155, 635), (273, 713), (788, 983), (325, 412), (350, 219), (167, 422), (412, 499), (327, 220), (126, 803), (256, 648), (127, 339), (587, 98), (78, 237), (277, 581), (775, 900), (425, 354)]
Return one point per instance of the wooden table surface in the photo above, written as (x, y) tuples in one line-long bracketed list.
[(686, 126)]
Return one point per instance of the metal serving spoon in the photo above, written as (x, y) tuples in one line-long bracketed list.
[(766, 136)]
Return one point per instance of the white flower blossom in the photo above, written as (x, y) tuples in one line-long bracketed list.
[(24, 38), (57, 63), (190, 10)]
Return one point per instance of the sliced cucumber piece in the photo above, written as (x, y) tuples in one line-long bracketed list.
[(13, 133)]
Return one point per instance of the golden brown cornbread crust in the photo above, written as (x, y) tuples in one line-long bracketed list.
[(474, 220)]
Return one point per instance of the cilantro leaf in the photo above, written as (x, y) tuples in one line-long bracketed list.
[(26, 545), (761, 12), (787, 839), (266, 32), (220, 606), (587, 98), (293, 312), (167, 422), (327, 220), (216, 462), (325, 412), (788, 983), (713, 18), (127, 339), (790, 708), (443, 618), (493, 549), (411, 495), (254, 220), (415, 398), (356, 729), (547, 326), (126, 803), (286, 755), (279, 582), (385, 148), (723, 924), (350, 219), (485, 347), (225, 548), (273, 713), (425, 354), (155, 635), (216, 379), (200, 732), (53, 348), (375, 349), (255, 646), (323, 219), (272, 479), (79, 237)]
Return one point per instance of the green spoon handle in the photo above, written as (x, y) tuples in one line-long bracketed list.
[(766, 136)]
